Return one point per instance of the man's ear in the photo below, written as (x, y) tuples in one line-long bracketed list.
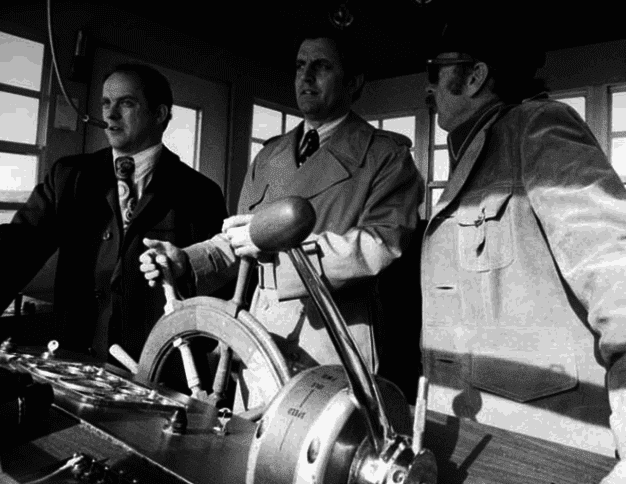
[(356, 83), (162, 112), (477, 78)]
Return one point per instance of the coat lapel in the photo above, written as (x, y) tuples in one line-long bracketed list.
[(104, 184), (465, 166), (333, 163), (159, 190)]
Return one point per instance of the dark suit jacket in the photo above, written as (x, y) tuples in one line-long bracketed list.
[(76, 211)]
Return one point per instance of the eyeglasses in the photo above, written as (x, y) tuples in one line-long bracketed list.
[(433, 66)]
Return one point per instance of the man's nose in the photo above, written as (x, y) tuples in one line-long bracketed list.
[(111, 113), (307, 74)]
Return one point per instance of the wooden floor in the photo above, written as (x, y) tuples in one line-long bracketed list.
[(472, 453)]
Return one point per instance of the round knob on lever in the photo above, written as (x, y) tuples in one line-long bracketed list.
[(282, 225)]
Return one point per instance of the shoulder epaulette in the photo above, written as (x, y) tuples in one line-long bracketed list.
[(273, 138), (398, 138)]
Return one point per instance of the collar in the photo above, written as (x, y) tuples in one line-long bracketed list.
[(145, 156), (326, 130), (144, 160), (462, 135)]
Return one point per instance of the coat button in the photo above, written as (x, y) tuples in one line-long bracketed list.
[(107, 235)]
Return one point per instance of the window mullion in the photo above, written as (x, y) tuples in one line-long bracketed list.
[(20, 91), (19, 148)]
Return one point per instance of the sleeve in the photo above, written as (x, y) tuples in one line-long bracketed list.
[(30, 239), (383, 231), (581, 205), (213, 263)]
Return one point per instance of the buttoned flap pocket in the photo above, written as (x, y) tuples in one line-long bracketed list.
[(485, 235), (524, 365)]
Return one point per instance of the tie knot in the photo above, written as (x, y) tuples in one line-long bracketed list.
[(312, 139), (310, 144), (124, 167)]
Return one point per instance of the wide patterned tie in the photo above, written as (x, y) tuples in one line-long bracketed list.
[(124, 170), (310, 144)]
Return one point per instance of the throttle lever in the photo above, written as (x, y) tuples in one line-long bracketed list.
[(386, 455)]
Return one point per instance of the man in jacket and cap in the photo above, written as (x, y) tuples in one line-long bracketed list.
[(524, 257)]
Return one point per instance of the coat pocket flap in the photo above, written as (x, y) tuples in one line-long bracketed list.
[(488, 208), (539, 365)]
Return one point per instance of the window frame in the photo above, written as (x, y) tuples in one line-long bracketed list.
[(420, 149), (197, 134), (611, 135), (402, 114), (43, 96), (284, 110), (571, 93)]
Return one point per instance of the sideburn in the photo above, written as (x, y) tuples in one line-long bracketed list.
[(456, 82)]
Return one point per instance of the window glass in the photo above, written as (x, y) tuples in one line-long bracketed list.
[(291, 122), (441, 165), (578, 103), (254, 150), (441, 136), (435, 195), (6, 216), (618, 111), (21, 62), (18, 176), (266, 122), (18, 118), (374, 122), (404, 125), (181, 134), (618, 156)]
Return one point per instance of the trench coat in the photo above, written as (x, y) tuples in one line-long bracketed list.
[(524, 282), (76, 210), (365, 189)]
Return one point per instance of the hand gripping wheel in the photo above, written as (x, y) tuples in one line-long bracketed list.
[(237, 333)]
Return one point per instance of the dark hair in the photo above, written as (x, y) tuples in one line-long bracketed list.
[(350, 56), (155, 86)]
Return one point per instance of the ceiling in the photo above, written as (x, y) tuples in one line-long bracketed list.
[(395, 34)]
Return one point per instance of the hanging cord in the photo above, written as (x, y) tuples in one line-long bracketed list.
[(84, 117)]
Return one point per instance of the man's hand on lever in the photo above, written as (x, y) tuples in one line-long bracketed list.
[(237, 230), (156, 258)]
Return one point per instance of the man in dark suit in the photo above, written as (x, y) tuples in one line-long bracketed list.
[(97, 208)]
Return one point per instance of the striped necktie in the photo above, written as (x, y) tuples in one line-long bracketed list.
[(126, 189), (310, 144)]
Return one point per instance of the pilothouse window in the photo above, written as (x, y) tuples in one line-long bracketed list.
[(21, 140)]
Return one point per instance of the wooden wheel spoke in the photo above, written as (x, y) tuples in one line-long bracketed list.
[(209, 346)]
